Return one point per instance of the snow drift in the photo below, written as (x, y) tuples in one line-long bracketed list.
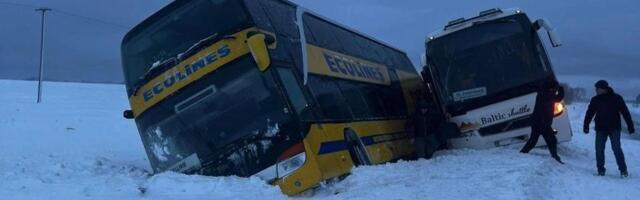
[(76, 145)]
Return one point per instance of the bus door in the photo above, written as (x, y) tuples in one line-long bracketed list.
[(312, 131)]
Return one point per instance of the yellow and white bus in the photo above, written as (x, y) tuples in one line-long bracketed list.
[(265, 88)]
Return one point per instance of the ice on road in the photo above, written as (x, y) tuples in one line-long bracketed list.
[(76, 145)]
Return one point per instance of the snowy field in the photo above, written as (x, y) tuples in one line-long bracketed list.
[(627, 87), (76, 145)]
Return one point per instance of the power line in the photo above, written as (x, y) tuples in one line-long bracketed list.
[(67, 13)]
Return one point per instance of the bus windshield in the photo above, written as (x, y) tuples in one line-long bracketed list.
[(237, 103), (486, 59), (176, 30)]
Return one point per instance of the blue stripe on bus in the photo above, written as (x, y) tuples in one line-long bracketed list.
[(341, 145), (332, 146), (367, 140)]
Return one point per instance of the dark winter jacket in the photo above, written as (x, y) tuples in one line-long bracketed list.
[(424, 124), (543, 111), (419, 122), (607, 109)]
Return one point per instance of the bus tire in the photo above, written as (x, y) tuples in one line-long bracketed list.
[(357, 150)]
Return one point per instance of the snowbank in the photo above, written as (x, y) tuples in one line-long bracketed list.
[(76, 145), (500, 173)]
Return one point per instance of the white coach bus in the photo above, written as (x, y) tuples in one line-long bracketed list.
[(484, 72)]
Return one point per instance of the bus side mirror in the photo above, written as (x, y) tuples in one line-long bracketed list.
[(258, 46), (128, 114), (551, 32)]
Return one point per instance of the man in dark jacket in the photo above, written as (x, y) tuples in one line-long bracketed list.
[(548, 94), (607, 107), (424, 122), (419, 121)]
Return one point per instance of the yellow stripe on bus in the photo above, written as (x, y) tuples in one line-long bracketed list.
[(330, 63), (412, 88), (326, 166), (189, 70)]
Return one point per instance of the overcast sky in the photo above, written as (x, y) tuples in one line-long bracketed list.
[(600, 37)]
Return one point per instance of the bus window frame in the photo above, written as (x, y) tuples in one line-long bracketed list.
[(324, 117), (287, 94)]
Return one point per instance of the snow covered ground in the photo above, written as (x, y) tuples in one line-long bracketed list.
[(76, 145)]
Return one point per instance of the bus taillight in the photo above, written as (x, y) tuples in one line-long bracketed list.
[(291, 160), (558, 108)]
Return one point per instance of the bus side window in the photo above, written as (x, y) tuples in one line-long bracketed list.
[(354, 96), (294, 93), (329, 97), (349, 45), (323, 33), (282, 17), (393, 105), (375, 101)]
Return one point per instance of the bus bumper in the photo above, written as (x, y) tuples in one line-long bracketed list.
[(474, 140)]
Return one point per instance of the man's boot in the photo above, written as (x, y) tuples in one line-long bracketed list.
[(624, 174), (558, 159), (601, 172)]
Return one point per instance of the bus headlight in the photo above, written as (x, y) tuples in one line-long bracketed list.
[(291, 160), (290, 165), (558, 108)]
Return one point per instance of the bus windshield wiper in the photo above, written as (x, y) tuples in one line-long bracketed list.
[(206, 42), (153, 70), (197, 46), (160, 66)]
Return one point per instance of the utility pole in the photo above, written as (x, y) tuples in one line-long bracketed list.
[(43, 10)]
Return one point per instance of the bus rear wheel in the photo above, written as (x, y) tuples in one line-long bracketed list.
[(357, 150)]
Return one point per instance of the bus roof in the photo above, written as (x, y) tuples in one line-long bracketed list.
[(153, 17), (462, 23), (348, 28), (178, 3)]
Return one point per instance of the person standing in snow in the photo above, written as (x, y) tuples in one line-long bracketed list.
[(607, 106), (638, 101), (419, 121), (548, 94)]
